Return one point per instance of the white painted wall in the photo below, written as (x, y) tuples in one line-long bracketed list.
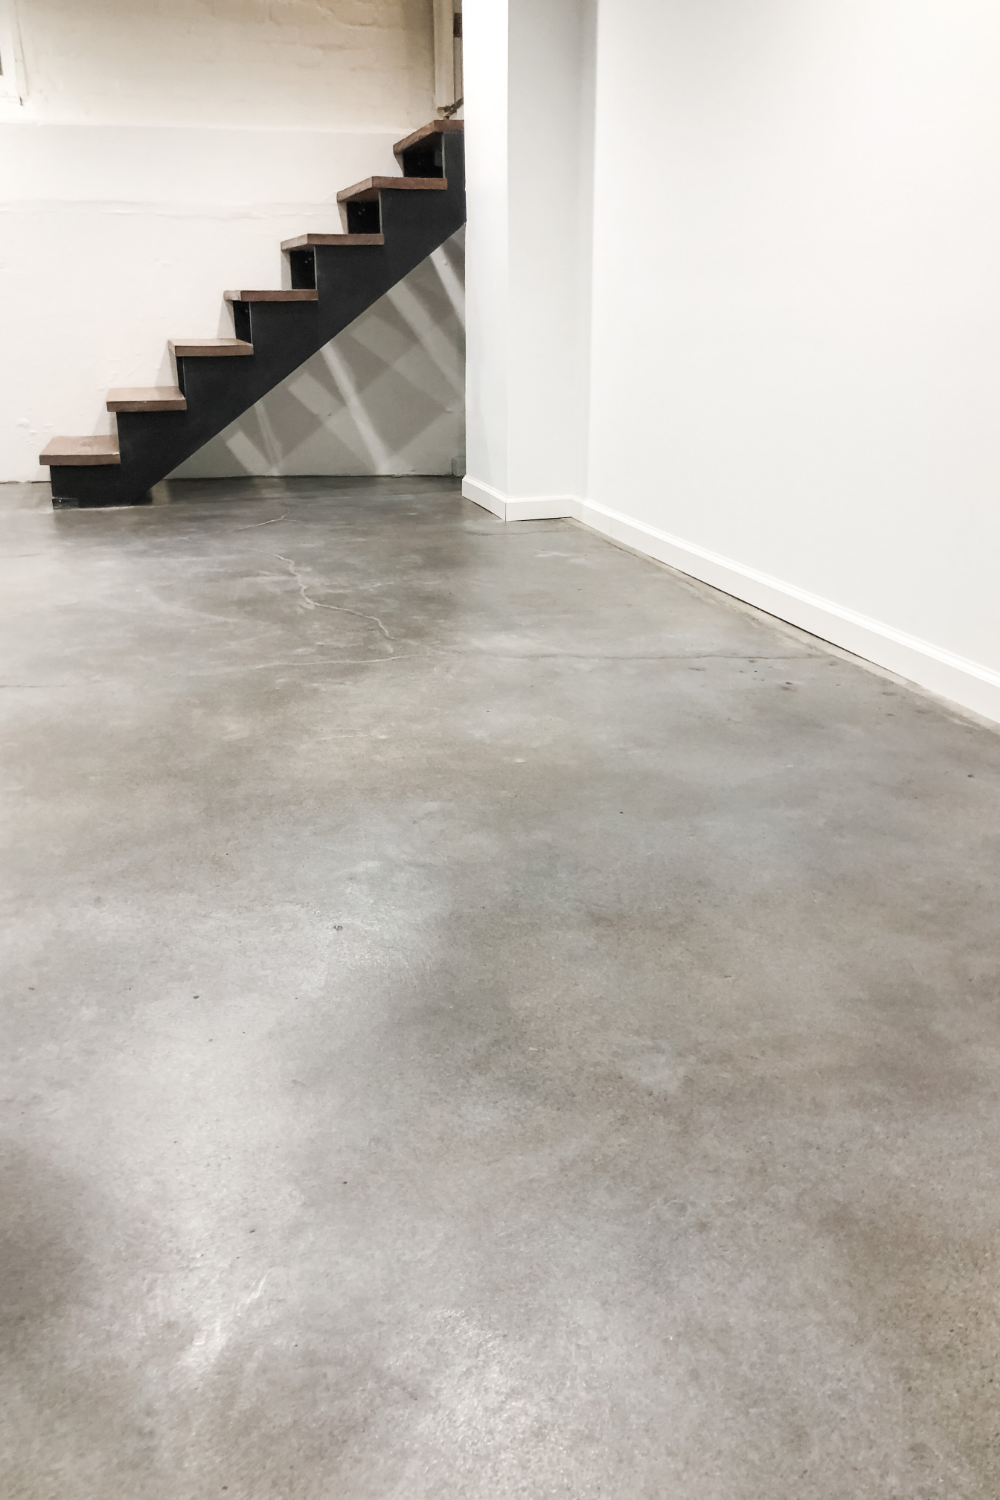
[(486, 242), (795, 313), (796, 343), (263, 64), (528, 72), (161, 155)]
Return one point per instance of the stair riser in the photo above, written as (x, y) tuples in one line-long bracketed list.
[(362, 217), (349, 280), (426, 159), (303, 267)]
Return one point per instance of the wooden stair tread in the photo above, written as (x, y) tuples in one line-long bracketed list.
[(372, 186), (80, 450), (307, 241), (433, 127), (146, 398), (194, 348), (299, 295)]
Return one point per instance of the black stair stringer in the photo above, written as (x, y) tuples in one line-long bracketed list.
[(349, 279)]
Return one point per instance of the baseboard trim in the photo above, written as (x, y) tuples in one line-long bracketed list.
[(486, 496), (942, 672), (945, 673), (531, 508)]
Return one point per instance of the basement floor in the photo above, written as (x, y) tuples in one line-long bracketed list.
[(485, 1017)]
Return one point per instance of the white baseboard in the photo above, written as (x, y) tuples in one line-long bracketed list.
[(942, 672), (486, 496), (532, 508), (964, 682)]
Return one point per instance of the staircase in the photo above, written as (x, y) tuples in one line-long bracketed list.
[(391, 224)]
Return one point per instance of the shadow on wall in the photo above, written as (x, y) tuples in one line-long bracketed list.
[(387, 396)]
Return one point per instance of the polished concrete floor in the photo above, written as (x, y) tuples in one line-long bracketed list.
[(484, 1017)]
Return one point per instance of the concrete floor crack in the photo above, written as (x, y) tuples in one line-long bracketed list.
[(272, 522), (342, 609)]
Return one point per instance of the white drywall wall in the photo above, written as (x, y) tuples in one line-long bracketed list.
[(277, 64), (487, 187), (793, 316), (527, 77), (161, 155), (796, 313)]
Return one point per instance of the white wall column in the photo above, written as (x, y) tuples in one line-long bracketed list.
[(529, 124)]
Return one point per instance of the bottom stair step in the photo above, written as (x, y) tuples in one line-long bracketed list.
[(81, 450)]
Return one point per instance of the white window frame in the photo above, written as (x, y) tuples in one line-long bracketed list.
[(13, 87)]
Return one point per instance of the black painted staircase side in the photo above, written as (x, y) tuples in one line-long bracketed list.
[(348, 279)]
